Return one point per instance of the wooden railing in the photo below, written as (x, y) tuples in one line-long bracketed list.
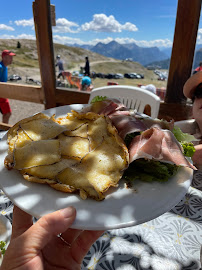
[(63, 96)]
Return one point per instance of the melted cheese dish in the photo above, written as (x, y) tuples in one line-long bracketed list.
[(77, 153)]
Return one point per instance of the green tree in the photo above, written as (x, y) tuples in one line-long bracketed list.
[(18, 45)]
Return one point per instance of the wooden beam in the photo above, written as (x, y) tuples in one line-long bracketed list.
[(42, 20), (68, 96), (175, 111), (188, 15), (22, 92)]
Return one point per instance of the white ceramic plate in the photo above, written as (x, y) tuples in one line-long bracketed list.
[(121, 208)]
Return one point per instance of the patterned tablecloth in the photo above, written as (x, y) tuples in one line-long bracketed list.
[(169, 242)]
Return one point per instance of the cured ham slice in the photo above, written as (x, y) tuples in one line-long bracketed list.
[(120, 116), (126, 124), (160, 145), (156, 142)]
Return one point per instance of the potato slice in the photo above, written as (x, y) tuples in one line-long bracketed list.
[(50, 171), (76, 147), (37, 153), (37, 127)]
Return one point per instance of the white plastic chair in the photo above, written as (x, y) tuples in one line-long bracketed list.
[(132, 97)]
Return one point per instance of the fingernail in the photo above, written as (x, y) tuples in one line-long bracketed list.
[(68, 212)]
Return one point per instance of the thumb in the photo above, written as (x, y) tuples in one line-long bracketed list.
[(45, 228)]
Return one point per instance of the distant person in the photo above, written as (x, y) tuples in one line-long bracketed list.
[(86, 84), (7, 58), (87, 67), (149, 87), (59, 63), (199, 68)]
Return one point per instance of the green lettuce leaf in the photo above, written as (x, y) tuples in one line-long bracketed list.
[(98, 98), (185, 140), (181, 136), (150, 170), (2, 247)]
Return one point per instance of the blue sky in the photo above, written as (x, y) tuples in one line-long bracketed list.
[(147, 23)]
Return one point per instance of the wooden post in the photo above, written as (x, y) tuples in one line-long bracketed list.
[(188, 15), (42, 20)]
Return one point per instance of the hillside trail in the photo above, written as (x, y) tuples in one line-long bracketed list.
[(82, 64)]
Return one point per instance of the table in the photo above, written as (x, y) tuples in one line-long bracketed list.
[(169, 242)]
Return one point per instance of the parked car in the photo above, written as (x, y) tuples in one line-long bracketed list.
[(141, 75), (118, 76), (32, 81), (100, 75), (14, 77), (162, 77), (136, 76), (129, 76), (110, 76)]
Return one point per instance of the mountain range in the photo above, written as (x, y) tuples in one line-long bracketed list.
[(150, 56), (164, 64), (122, 51)]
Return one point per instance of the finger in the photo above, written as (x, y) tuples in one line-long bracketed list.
[(46, 227), (70, 235), (21, 222), (82, 244)]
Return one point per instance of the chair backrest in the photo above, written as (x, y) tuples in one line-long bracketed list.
[(132, 97)]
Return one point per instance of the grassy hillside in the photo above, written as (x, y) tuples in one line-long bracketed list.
[(27, 55)]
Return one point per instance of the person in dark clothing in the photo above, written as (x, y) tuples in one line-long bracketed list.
[(87, 67)]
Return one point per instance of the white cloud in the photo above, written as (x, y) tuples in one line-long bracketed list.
[(24, 23), (6, 27), (22, 36), (129, 27), (66, 40), (65, 26), (26, 36), (199, 36), (102, 23), (166, 43)]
